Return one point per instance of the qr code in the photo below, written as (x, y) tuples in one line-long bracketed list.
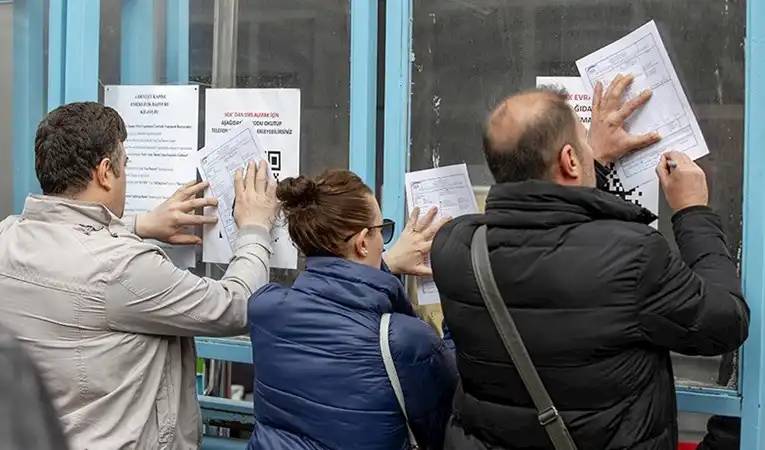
[(614, 185)]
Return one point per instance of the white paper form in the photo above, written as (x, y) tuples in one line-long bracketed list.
[(162, 124), (275, 114), (218, 163), (447, 188), (643, 55)]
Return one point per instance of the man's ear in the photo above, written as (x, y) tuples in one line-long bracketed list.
[(103, 174), (360, 243), (569, 164)]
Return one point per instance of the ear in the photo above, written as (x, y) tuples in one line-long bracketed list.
[(570, 166), (360, 244), (103, 174)]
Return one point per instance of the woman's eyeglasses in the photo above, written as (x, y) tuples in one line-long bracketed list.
[(387, 228)]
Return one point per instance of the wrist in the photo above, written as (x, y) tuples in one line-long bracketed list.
[(392, 263), (689, 206), (257, 223), (139, 225)]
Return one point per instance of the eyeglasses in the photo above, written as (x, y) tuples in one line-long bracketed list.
[(386, 229)]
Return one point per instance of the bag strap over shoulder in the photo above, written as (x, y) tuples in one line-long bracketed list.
[(547, 414), (390, 369)]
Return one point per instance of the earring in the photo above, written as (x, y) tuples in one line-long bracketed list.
[(364, 252)]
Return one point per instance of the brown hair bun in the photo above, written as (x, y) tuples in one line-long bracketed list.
[(295, 193)]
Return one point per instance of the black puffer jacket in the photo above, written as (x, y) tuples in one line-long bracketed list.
[(600, 299)]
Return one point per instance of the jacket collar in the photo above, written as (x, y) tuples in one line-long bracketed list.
[(355, 285), (540, 204), (46, 208)]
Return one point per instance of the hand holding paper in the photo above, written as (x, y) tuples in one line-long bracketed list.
[(642, 55), (608, 137), (170, 221), (410, 254), (255, 197)]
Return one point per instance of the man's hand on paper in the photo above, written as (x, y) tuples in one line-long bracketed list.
[(682, 180), (410, 254), (170, 221), (256, 203), (608, 138)]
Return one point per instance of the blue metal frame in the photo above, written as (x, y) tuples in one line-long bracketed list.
[(81, 37), (177, 42), (73, 45), (56, 52), (753, 264), (233, 350), (28, 94), (137, 42), (398, 50), (363, 120)]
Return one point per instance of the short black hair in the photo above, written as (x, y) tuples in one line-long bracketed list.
[(530, 155), (70, 143)]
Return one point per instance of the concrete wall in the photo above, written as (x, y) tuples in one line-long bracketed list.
[(6, 122)]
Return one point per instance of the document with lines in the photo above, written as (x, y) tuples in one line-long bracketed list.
[(218, 162), (448, 189), (643, 55)]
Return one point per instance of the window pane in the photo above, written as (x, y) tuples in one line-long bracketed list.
[(289, 44), (468, 55)]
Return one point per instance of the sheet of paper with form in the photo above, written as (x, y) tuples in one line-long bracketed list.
[(447, 188), (643, 55), (217, 164)]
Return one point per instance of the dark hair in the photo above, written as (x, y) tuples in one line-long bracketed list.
[(322, 212), (71, 141), (531, 153)]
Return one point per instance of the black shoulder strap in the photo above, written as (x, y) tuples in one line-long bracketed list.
[(547, 414)]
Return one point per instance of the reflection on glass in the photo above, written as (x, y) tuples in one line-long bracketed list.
[(468, 55)]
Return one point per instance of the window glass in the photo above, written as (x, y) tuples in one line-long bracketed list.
[(468, 55)]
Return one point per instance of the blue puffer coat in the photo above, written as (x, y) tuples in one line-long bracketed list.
[(320, 381)]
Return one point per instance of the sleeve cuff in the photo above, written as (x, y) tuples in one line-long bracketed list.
[(678, 216), (254, 235)]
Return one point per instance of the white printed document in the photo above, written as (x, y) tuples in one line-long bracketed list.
[(643, 55), (218, 163), (447, 188), (162, 123), (275, 116)]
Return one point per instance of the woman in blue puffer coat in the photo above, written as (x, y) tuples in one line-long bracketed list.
[(320, 378)]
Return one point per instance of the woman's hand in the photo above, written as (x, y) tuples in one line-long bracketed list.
[(410, 255)]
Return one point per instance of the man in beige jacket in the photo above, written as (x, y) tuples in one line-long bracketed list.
[(106, 315)]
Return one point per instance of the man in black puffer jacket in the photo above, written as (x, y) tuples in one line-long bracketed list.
[(599, 297)]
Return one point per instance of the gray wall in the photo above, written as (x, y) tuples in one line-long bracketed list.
[(6, 78)]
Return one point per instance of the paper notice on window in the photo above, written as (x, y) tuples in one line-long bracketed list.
[(580, 100), (274, 115), (218, 163), (643, 55), (578, 96), (447, 188), (161, 124)]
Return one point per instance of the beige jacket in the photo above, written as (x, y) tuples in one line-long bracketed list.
[(109, 320)]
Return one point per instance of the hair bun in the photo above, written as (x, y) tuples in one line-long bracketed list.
[(297, 192)]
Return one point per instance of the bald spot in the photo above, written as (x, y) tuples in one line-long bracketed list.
[(515, 114)]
